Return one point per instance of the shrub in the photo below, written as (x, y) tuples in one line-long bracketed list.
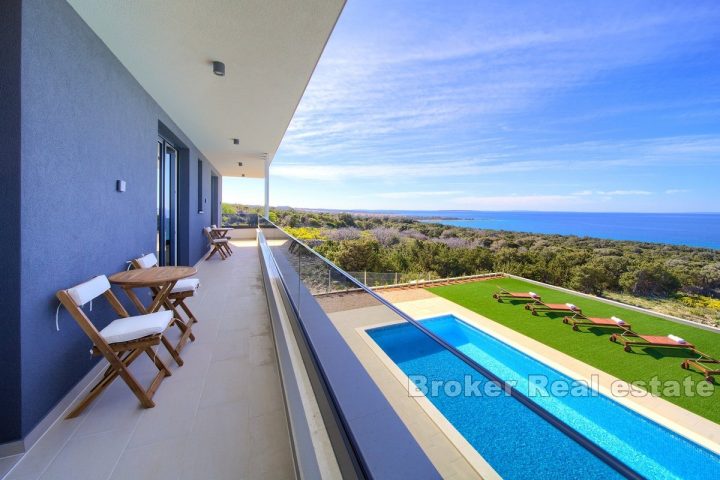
[(651, 280)]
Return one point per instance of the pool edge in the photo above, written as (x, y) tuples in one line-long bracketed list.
[(471, 455)]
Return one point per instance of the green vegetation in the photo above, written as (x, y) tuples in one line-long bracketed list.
[(592, 346), (684, 281), (239, 215), (306, 233), (673, 275), (228, 209)]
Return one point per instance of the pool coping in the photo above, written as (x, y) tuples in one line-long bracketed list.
[(635, 404), (471, 455)]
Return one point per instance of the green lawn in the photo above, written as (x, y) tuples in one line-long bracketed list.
[(592, 346)]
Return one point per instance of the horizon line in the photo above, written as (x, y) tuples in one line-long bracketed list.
[(388, 210)]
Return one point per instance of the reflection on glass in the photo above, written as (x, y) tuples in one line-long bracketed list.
[(312, 276)]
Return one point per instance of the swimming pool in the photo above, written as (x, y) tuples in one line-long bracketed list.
[(517, 442)]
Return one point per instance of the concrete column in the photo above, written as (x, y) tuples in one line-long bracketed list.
[(267, 187)]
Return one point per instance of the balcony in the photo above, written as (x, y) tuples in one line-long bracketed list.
[(221, 415), (247, 383)]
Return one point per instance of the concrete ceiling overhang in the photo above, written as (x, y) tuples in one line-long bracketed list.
[(270, 49)]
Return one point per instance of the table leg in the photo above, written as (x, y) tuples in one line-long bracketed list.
[(185, 328), (161, 296), (135, 300)]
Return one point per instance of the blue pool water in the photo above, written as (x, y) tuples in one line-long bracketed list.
[(516, 441)]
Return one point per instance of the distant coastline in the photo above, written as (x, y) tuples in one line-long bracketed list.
[(689, 229)]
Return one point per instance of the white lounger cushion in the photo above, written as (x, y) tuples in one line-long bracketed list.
[(147, 261), (83, 293), (571, 306), (186, 285), (533, 294), (617, 320), (677, 339), (132, 328)]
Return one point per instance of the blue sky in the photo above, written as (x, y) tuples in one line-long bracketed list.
[(569, 106)]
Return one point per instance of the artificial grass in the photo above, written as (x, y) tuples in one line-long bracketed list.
[(592, 345)]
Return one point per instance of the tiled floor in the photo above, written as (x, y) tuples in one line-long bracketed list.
[(219, 416)]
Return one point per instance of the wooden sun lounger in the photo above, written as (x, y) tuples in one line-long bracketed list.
[(502, 293), (578, 320), (539, 306), (701, 365), (630, 339)]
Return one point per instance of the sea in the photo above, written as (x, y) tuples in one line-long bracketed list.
[(691, 229)]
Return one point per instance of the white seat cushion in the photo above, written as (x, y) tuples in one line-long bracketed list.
[(132, 328), (147, 261), (220, 240), (83, 293), (186, 285)]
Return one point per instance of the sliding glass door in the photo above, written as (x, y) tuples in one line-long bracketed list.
[(167, 170)]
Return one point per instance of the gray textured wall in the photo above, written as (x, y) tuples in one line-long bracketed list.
[(86, 123), (10, 13)]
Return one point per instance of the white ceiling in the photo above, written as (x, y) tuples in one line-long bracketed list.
[(269, 47)]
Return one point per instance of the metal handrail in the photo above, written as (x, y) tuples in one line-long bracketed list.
[(586, 443)]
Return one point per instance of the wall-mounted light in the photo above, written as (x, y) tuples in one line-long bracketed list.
[(236, 141), (120, 186), (239, 164), (219, 68)]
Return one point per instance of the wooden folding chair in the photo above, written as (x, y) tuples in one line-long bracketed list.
[(219, 245), (220, 234), (183, 289), (121, 342)]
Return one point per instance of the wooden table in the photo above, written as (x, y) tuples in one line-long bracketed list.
[(161, 281)]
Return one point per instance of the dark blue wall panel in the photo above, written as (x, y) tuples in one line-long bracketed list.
[(10, 15), (86, 123)]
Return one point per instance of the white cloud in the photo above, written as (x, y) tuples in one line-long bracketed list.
[(675, 191), (349, 171), (418, 194), (416, 96), (517, 202), (613, 193), (377, 87), (501, 159)]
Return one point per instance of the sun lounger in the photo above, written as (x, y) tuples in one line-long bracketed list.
[(705, 364), (578, 320), (502, 293), (630, 339), (539, 306)]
